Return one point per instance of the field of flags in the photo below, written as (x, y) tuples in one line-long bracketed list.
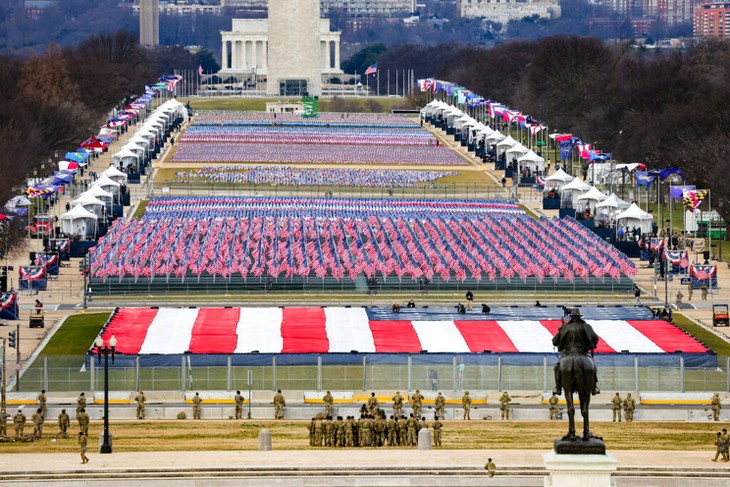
[(238, 237), (329, 139), (292, 176)]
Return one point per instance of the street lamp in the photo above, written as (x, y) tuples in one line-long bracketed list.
[(101, 348)]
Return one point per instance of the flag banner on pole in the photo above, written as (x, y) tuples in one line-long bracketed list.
[(693, 198), (677, 192), (372, 69)]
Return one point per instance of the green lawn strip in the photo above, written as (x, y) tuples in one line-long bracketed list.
[(141, 208), (76, 334), (720, 346), (374, 104)]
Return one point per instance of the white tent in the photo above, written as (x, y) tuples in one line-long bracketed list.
[(515, 152), (607, 209), (90, 203), (557, 180), (505, 144), (570, 192), (139, 150), (98, 192), (615, 202), (115, 175), (531, 160), (635, 217), (109, 185), (124, 158), (496, 136), (79, 221), (590, 198)]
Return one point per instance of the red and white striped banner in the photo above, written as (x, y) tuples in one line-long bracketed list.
[(342, 330)]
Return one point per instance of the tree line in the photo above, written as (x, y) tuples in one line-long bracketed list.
[(56, 100)]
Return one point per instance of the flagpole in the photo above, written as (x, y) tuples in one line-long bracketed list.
[(389, 83), (377, 73)]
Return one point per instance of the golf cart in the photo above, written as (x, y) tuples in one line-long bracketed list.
[(720, 315), (37, 319)]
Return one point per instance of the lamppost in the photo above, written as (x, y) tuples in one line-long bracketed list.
[(101, 348)]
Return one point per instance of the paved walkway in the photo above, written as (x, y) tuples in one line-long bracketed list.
[(334, 458)]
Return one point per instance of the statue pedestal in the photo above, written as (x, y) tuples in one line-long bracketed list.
[(579, 470)]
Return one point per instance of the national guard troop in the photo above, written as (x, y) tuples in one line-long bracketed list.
[(197, 400), (716, 407), (329, 431), (437, 426), (83, 420), (411, 425), (392, 426), (328, 402), (63, 424), (373, 405), (83, 441), (490, 467), (504, 401), (466, 404), (417, 403), (42, 402), (38, 421), (238, 399), (80, 404), (4, 423), (629, 406), (140, 400), (553, 401), (279, 405), (397, 405), (440, 405), (19, 422), (616, 404)]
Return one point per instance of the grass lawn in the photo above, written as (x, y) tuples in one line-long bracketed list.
[(132, 436), (76, 334), (382, 104), (140, 208), (720, 346)]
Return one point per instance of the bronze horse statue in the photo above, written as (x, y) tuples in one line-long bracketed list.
[(576, 371)]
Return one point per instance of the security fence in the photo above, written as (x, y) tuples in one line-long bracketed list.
[(353, 372)]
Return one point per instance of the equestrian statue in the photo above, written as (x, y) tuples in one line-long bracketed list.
[(575, 372)]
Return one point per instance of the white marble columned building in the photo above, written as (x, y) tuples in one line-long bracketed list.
[(245, 50)]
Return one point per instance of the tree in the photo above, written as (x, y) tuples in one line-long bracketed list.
[(364, 58)]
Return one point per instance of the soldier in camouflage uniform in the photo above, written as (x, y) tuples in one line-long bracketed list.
[(439, 405), (83, 420), (397, 405), (4, 423), (329, 431), (392, 431), (140, 399), (716, 407), (19, 422), (437, 425), (63, 424), (328, 401), (38, 421), (318, 431), (629, 406), (80, 404), (553, 401), (279, 405), (196, 405), (466, 404), (417, 403), (42, 402), (616, 404), (238, 399), (403, 431), (310, 428), (379, 429), (412, 424), (339, 432), (373, 405), (504, 402), (350, 432)]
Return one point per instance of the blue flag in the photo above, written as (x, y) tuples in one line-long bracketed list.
[(665, 173), (644, 178)]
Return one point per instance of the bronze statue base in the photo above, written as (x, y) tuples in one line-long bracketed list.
[(592, 446)]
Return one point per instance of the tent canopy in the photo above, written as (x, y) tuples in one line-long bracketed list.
[(613, 201), (560, 176), (507, 143), (633, 212), (593, 194), (576, 185), (78, 212), (98, 192)]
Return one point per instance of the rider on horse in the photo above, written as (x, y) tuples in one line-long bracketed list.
[(574, 337)]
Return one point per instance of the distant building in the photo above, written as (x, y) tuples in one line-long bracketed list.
[(670, 12), (149, 22), (283, 49), (35, 8), (503, 11), (353, 8), (712, 20)]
